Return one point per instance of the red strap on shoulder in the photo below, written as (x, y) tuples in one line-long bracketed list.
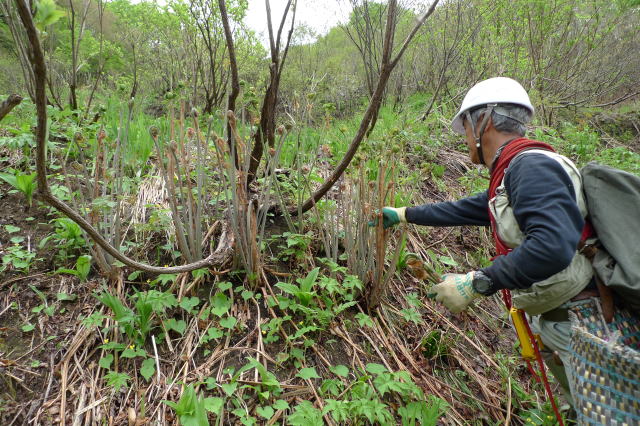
[(498, 169)]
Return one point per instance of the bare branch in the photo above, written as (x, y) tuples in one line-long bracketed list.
[(272, 43), (413, 32), (368, 120)]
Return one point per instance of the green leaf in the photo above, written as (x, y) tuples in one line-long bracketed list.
[(306, 284), (224, 285), (197, 273), (339, 370), (448, 260), (246, 294), (148, 368), (213, 405), (228, 322), (105, 361), (66, 271), (113, 346), (229, 388), (94, 320), (134, 275), (214, 333), (265, 412), (305, 414), (364, 319), (188, 303), (339, 410), (280, 404), (11, 229), (83, 265), (166, 278), (288, 288), (117, 380), (220, 304), (28, 327), (64, 297), (133, 353), (47, 13), (178, 326), (308, 373), (331, 387), (411, 315), (374, 368)]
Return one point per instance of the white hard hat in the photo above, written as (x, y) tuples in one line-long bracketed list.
[(496, 90)]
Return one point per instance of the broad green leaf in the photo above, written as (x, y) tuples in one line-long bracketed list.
[(220, 304), (47, 13), (374, 368), (11, 229), (306, 284), (27, 327), (339, 370), (105, 361), (288, 288), (214, 333), (213, 405), (188, 303), (83, 265), (66, 297), (265, 412), (224, 285), (229, 388), (228, 322), (280, 404), (148, 368), (308, 373), (178, 326), (133, 353)]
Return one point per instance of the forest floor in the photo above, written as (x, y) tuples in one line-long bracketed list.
[(52, 362), (135, 349)]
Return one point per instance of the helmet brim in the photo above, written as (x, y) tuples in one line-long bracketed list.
[(457, 124)]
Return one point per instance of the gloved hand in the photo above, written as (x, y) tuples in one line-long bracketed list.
[(456, 291), (390, 217)]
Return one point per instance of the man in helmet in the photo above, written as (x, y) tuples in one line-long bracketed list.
[(535, 208)]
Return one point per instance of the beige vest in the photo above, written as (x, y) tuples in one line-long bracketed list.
[(559, 288)]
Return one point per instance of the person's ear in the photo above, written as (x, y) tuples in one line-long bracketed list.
[(489, 122)]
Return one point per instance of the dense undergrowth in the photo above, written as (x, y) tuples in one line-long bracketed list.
[(283, 334)]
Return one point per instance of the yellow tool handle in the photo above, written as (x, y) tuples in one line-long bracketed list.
[(519, 322)]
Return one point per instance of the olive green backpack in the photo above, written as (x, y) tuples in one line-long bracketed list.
[(613, 202)]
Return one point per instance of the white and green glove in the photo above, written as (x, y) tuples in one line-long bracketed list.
[(456, 291), (391, 217)]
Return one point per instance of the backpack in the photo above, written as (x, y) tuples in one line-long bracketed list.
[(613, 203)]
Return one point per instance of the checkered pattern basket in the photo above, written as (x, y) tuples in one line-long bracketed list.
[(605, 367)]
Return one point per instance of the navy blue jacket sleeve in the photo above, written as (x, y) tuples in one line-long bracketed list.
[(544, 204), (467, 211)]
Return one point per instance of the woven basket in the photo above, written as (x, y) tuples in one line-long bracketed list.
[(605, 367)]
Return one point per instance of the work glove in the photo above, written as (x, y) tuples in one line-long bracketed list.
[(456, 291), (390, 217)]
